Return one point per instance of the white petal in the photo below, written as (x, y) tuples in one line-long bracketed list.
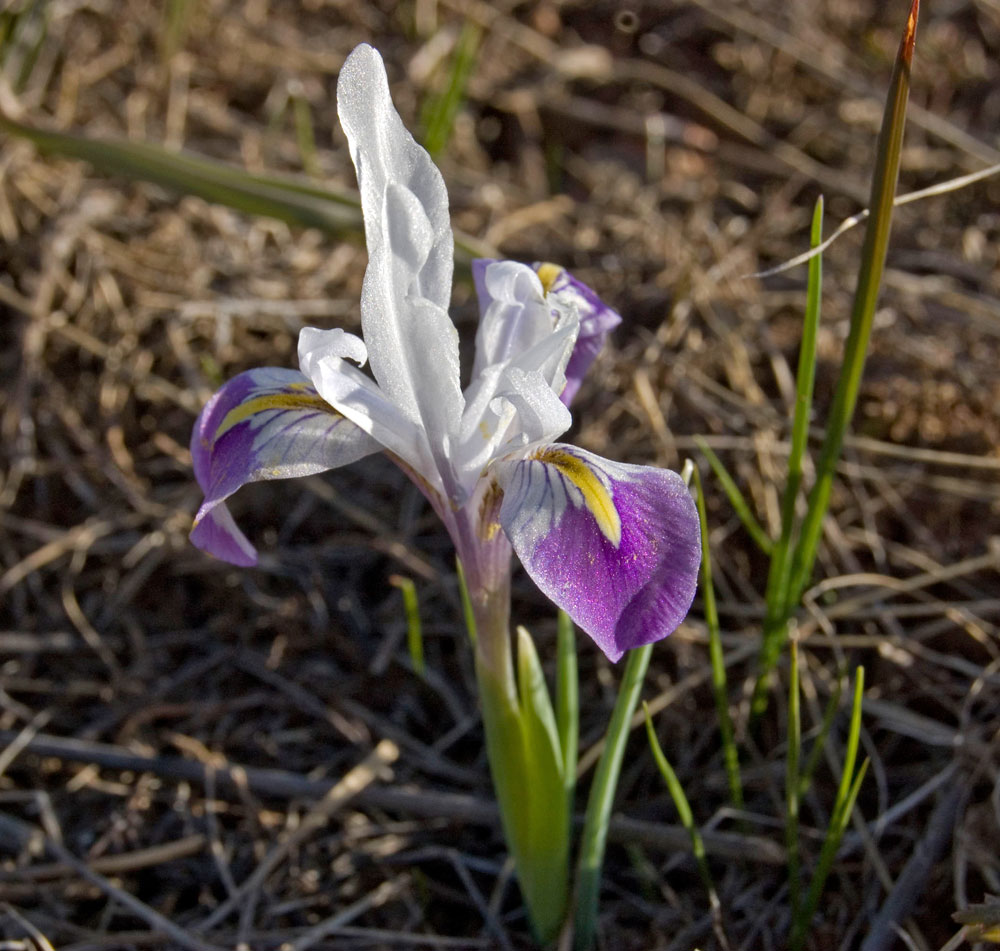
[(315, 344), (412, 343), (515, 315), (359, 399), (541, 415)]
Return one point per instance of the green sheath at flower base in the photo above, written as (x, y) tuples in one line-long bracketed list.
[(528, 775)]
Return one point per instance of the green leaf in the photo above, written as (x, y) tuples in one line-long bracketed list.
[(683, 808), (847, 794), (304, 135), (832, 706), (602, 794), (567, 700), (544, 867), (296, 201), (779, 598), (793, 783), (527, 769)]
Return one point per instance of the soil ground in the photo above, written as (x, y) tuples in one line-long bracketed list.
[(664, 152)]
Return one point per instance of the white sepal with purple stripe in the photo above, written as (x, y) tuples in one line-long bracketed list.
[(268, 423)]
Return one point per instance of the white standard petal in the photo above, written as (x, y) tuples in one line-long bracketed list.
[(515, 315), (323, 356), (315, 344), (412, 343)]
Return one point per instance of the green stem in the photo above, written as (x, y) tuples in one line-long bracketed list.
[(602, 793), (523, 749)]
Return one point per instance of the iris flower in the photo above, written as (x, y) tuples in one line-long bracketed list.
[(616, 546)]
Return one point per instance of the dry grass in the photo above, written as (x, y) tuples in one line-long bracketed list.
[(172, 727)]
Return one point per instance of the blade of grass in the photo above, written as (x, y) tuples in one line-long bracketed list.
[(684, 813), (832, 706), (873, 253), (778, 595), (736, 498), (720, 689), (304, 135), (414, 629), (602, 792), (296, 201), (847, 794), (176, 19), (23, 31), (793, 785), (440, 110)]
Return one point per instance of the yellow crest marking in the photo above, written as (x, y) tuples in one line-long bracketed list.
[(595, 496), (260, 404), (548, 274)]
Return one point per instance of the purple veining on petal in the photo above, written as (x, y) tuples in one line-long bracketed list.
[(623, 595), (268, 423)]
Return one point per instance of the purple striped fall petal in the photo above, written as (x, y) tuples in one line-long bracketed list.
[(268, 423), (617, 547)]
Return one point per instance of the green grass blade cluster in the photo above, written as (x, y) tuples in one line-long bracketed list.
[(843, 806), (792, 554), (873, 253), (795, 554)]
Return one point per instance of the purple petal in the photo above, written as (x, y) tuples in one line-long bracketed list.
[(597, 320), (616, 546), (218, 534), (263, 424)]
